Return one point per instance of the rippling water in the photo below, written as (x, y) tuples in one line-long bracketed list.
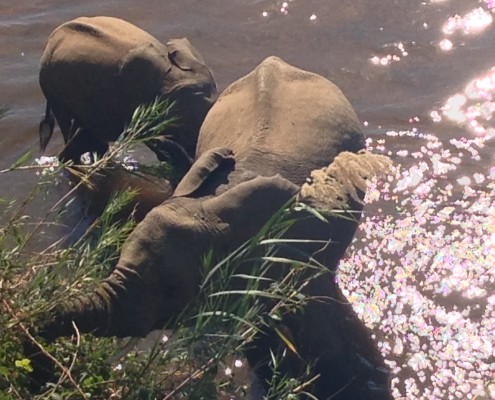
[(419, 73)]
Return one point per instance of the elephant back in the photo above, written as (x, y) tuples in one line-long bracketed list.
[(82, 77), (108, 39), (281, 119), (96, 71)]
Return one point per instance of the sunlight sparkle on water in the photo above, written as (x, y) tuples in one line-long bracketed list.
[(445, 45), (453, 108), (431, 254), (474, 107), (490, 4), (284, 8), (396, 51), (473, 22)]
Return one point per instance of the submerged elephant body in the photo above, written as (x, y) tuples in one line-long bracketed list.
[(257, 146), (96, 71)]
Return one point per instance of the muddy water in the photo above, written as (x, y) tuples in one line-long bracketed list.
[(398, 62)]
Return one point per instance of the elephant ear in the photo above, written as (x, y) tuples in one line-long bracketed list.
[(142, 69), (183, 55), (249, 205), (206, 165)]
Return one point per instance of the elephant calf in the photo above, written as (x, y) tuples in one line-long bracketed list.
[(96, 71), (257, 146)]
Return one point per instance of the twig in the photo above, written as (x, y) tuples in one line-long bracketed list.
[(78, 340), (78, 343), (27, 167)]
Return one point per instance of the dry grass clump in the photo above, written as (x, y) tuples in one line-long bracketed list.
[(329, 188)]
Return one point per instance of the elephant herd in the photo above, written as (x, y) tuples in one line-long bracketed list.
[(251, 150)]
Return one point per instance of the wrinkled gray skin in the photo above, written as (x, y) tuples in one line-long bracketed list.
[(96, 71), (260, 141)]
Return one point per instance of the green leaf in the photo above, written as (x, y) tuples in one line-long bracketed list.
[(4, 371), (21, 160), (304, 207), (287, 341), (254, 293), (24, 364)]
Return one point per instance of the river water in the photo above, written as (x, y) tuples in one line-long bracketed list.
[(421, 272)]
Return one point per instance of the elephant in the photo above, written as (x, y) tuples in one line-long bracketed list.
[(96, 71), (256, 149)]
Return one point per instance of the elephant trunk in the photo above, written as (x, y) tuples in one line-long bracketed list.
[(116, 308), (90, 314), (121, 306)]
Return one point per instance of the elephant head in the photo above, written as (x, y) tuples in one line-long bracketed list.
[(96, 71), (159, 271)]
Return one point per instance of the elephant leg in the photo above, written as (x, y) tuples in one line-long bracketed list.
[(65, 120), (94, 145), (82, 142)]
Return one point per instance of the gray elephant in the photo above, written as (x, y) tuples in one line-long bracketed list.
[(256, 148), (96, 71)]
